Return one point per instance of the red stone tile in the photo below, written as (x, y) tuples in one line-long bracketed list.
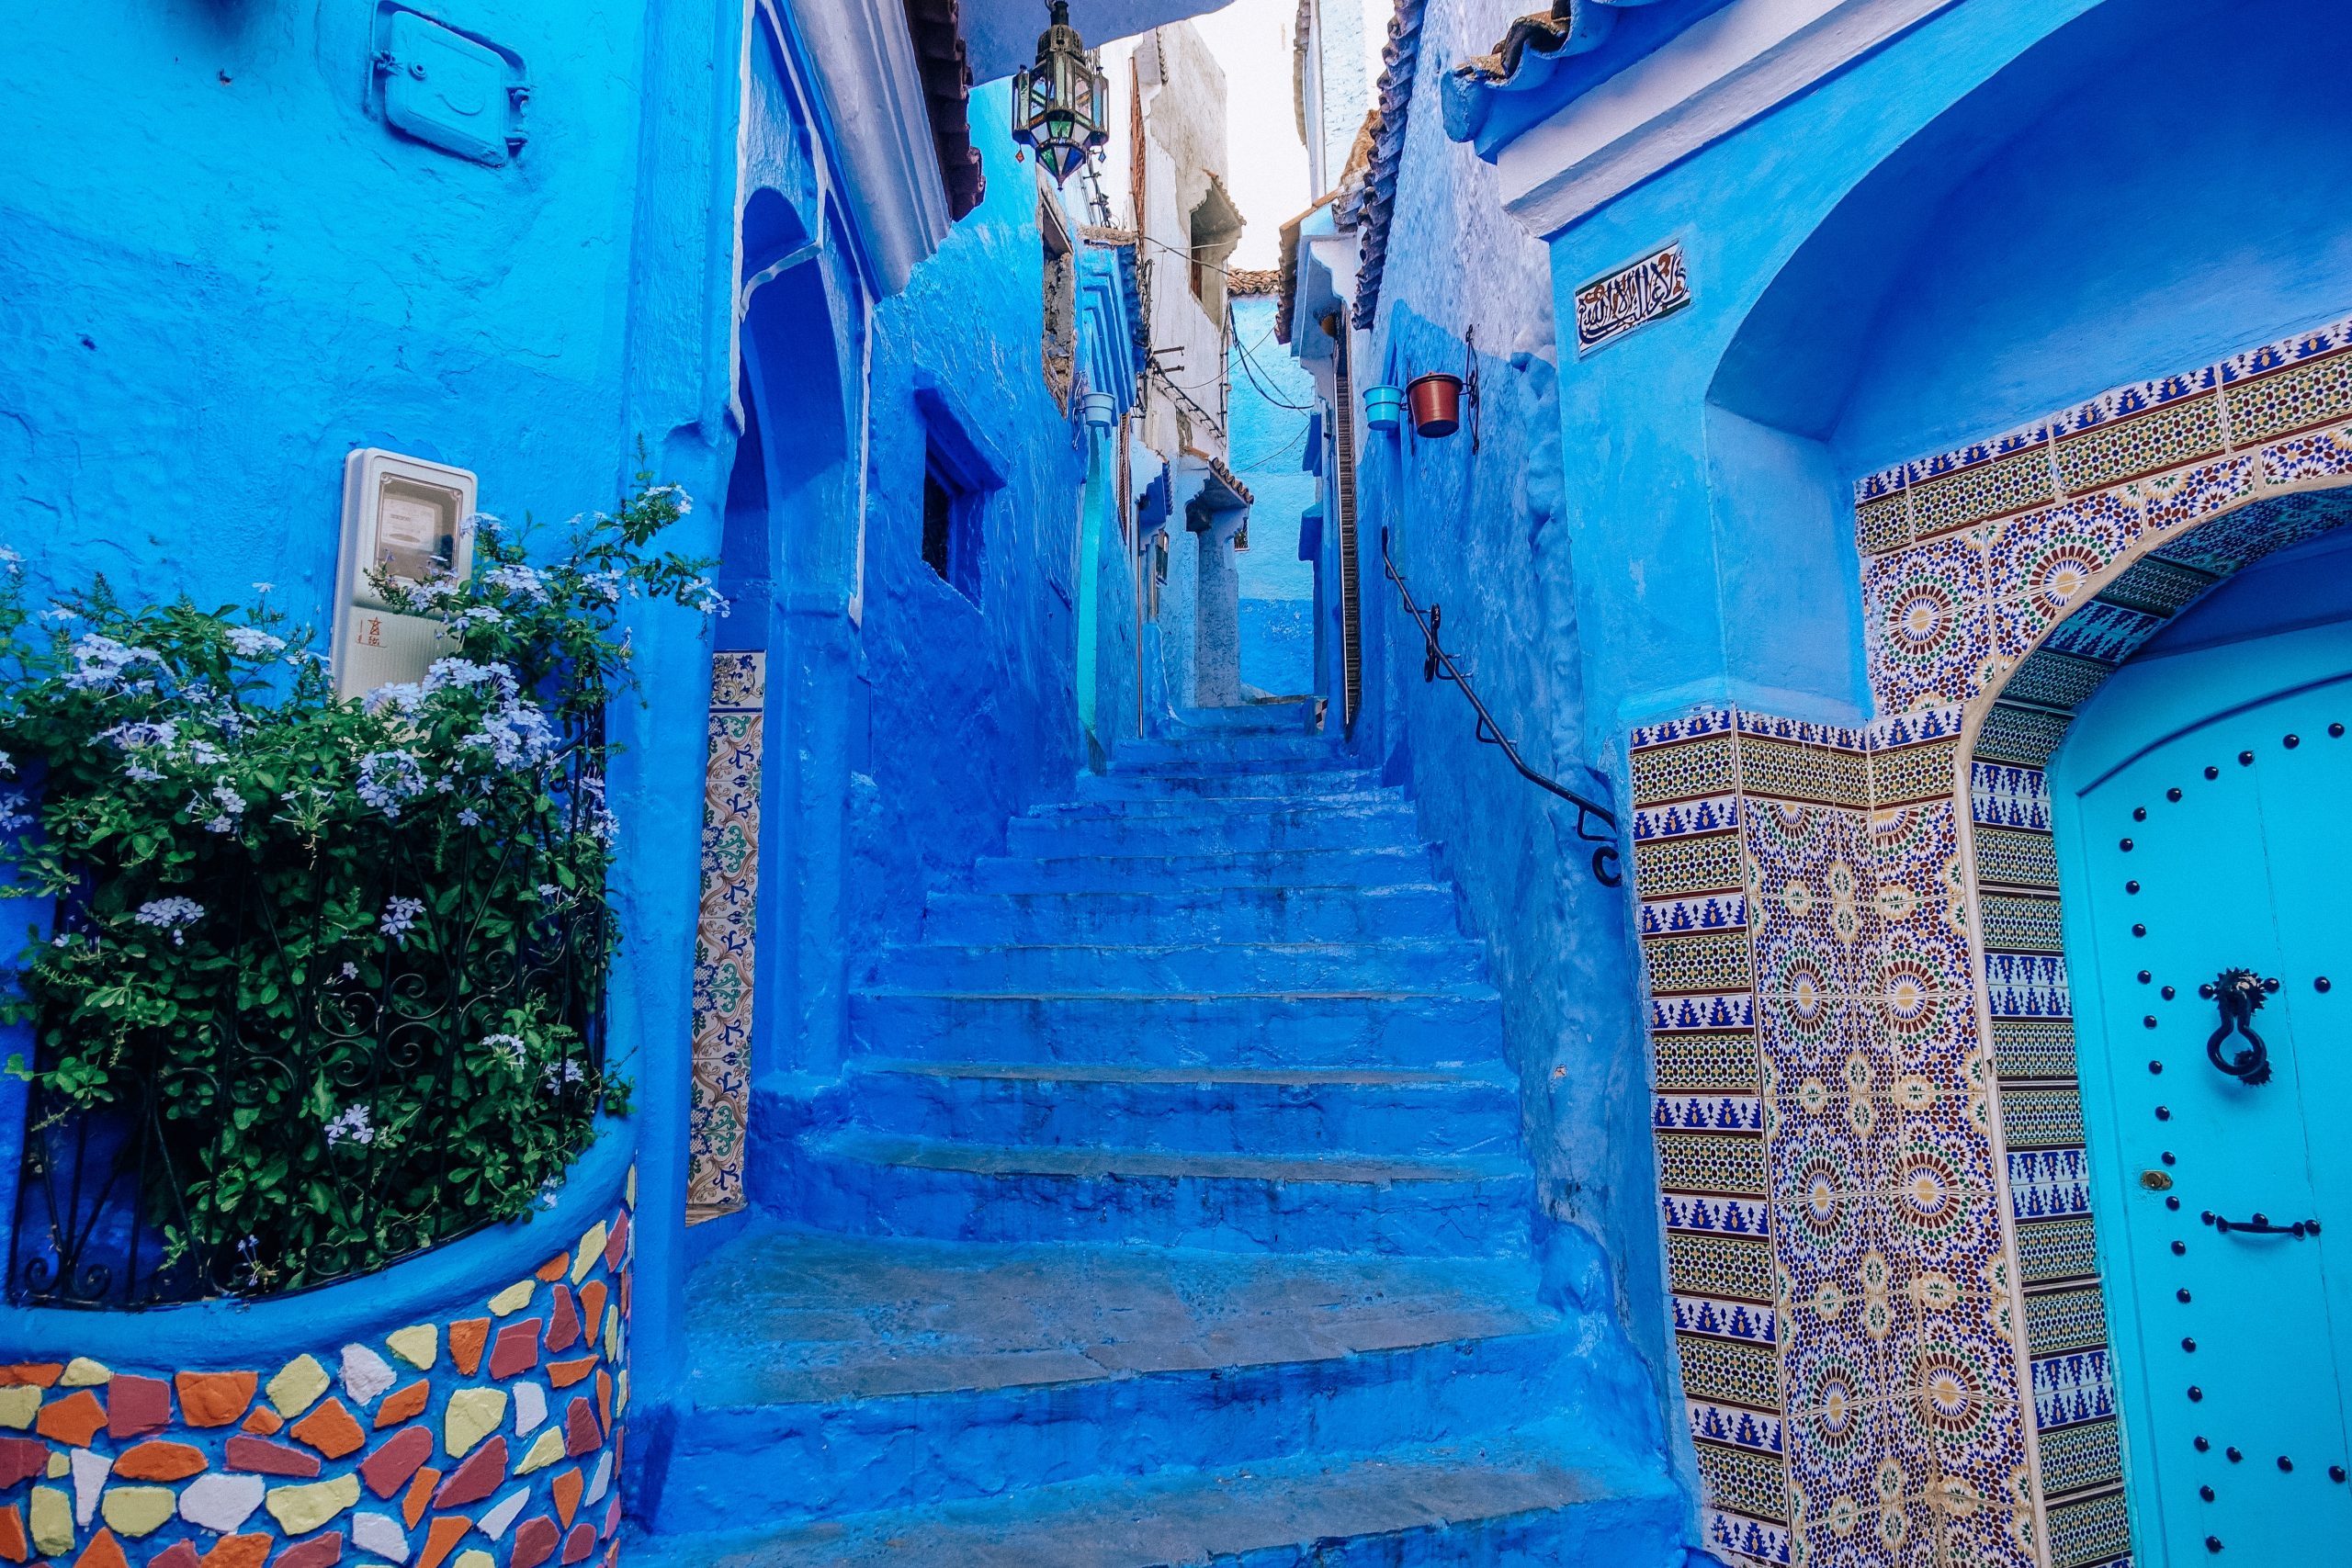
[(214, 1399), (567, 1488), (14, 1547), (552, 1270), (467, 1336), (40, 1374), (104, 1552), (420, 1495), (563, 1323), (581, 1435), (262, 1456), (624, 1283), (319, 1551), (563, 1374), (160, 1461), (396, 1460), (20, 1459), (331, 1430), (476, 1478), (237, 1551), (535, 1541), (593, 1296), (612, 1515), (404, 1403), (441, 1539), (180, 1554), (517, 1349), (74, 1419), (581, 1544), (604, 1399), (264, 1422), (137, 1408)]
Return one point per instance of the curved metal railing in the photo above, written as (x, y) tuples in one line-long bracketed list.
[(1607, 865)]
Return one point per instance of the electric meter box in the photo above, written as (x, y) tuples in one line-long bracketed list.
[(406, 519)]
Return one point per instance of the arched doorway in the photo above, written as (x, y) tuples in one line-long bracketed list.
[(2196, 807)]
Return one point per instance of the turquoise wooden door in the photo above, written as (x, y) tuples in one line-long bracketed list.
[(2205, 844)]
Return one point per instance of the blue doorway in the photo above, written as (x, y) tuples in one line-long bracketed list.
[(2199, 808)]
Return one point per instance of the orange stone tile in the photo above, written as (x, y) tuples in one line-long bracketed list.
[(593, 1296), (403, 1403), (40, 1374), (159, 1461), (74, 1419), (104, 1552), (14, 1548), (604, 1399), (567, 1488), (264, 1422), (563, 1374), (331, 1430), (441, 1539), (240, 1551), (467, 1336), (214, 1399), (420, 1493), (552, 1270)]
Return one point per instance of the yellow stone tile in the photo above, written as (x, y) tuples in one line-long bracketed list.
[(53, 1521), (620, 1391), (592, 1247), (513, 1299), (612, 1334), (58, 1466), (419, 1346), (472, 1414), (296, 1386), (298, 1510), (544, 1452), (476, 1559), (630, 1191), (137, 1510), (83, 1373), (18, 1407)]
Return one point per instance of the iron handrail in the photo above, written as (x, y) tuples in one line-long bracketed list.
[(1606, 861)]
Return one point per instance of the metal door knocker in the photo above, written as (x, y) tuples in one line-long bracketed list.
[(2240, 992)]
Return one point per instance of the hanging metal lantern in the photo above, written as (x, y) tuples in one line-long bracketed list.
[(1058, 104)]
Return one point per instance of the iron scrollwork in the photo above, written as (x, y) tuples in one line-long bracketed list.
[(2240, 994)]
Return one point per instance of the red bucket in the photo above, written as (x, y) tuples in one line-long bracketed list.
[(1437, 404)]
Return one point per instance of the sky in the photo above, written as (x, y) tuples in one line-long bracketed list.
[(1251, 41)]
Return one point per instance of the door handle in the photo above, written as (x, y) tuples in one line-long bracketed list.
[(2239, 992), (2260, 1225)]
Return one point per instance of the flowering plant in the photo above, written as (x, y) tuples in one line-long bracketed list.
[(326, 971)]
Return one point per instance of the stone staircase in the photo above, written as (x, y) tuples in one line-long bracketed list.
[(1173, 1212)]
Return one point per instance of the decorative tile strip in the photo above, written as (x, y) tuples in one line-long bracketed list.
[(726, 934), (1634, 295)]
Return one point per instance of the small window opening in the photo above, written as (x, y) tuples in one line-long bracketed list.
[(951, 542), (1060, 346)]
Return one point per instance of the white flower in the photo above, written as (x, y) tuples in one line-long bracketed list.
[(8, 766), (231, 805), (549, 893), (402, 695), (469, 817), (264, 587), (518, 578), (352, 1123), (606, 583), (516, 733), (561, 1073), (480, 614), (173, 915), (700, 594), (99, 663), (507, 1045), (11, 557), (685, 502), (386, 778), (61, 614), (350, 970), (14, 817), (399, 917), (252, 642), (206, 754), (137, 734)]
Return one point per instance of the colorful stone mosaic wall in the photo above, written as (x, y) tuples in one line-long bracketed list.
[(1893, 1334), (725, 937), (487, 1440)]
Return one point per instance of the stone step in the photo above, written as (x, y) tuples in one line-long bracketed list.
[(1225, 914), (1133, 785), (1429, 965), (1258, 868), (1543, 1496), (1212, 830), (872, 1183), (1192, 808), (1246, 718), (1237, 752), (1400, 1114), (1395, 1029), (859, 1374)]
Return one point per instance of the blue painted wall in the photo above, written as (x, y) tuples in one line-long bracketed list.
[(1268, 410)]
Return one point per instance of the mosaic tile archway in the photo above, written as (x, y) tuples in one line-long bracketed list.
[(1879, 1241)]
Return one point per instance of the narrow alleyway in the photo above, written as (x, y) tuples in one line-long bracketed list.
[(1182, 1212)]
